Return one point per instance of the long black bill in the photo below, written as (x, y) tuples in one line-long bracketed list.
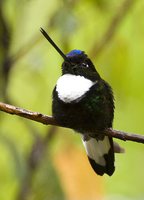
[(52, 43)]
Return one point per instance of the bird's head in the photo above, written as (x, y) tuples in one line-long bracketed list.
[(76, 62)]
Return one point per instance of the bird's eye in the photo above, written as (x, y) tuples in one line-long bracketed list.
[(85, 65)]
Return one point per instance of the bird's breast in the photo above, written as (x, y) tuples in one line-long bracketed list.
[(71, 87)]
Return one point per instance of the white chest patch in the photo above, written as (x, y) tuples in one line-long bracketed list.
[(71, 87)]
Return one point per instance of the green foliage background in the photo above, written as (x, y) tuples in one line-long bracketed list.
[(31, 79)]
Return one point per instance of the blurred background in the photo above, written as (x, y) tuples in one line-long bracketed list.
[(39, 162)]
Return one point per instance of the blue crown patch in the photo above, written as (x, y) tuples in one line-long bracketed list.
[(74, 53)]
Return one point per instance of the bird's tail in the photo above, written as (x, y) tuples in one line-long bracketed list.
[(100, 153)]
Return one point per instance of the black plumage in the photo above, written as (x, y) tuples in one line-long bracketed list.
[(92, 112), (87, 108)]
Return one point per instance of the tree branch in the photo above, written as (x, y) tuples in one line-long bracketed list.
[(35, 116), (49, 120)]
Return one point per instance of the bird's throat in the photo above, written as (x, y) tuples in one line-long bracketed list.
[(71, 87)]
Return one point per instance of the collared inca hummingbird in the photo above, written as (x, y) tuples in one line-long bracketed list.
[(84, 102)]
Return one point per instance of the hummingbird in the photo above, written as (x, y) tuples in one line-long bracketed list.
[(84, 102)]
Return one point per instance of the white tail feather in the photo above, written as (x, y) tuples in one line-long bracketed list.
[(96, 149), (100, 154)]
